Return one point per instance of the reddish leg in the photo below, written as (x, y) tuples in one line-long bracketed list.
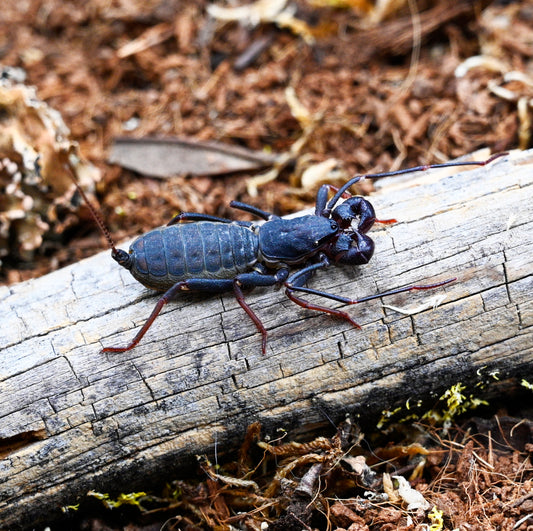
[(170, 294), (304, 304), (192, 284), (253, 280), (246, 280), (239, 295)]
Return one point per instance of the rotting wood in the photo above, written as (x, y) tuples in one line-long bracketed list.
[(73, 419)]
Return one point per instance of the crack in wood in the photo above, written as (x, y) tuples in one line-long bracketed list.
[(10, 445)]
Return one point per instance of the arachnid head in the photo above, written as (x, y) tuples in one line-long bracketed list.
[(293, 241)]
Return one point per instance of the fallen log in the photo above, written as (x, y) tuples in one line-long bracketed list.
[(74, 419)]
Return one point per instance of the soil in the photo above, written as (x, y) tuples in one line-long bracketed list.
[(376, 90)]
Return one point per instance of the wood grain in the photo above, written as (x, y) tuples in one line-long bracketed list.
[(73, 419)]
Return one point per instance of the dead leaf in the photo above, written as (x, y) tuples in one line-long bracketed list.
[(414, 499), (163, 157), (35, 147)]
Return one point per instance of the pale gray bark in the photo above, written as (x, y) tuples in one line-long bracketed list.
[(73, 419)]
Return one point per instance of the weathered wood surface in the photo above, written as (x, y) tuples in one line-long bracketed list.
[(73, 419)]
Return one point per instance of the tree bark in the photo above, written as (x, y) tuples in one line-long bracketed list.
[(74, 419)]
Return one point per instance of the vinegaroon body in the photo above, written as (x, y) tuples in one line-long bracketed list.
[(213, 255)]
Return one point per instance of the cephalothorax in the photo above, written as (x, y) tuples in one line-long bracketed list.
[(202, 253)]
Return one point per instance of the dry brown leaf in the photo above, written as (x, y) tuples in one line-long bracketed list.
[(164, 157), (35, 150)]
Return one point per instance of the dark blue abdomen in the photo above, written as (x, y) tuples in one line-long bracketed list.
[(204, 249)]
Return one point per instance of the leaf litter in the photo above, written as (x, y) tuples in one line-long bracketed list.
[(168, 70), (330, 88), (475, 476)]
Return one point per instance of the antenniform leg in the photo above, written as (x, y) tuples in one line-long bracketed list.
[(252, 210), (322, 197), (295, 283), (331, 205)]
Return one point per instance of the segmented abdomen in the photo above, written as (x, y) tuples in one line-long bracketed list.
[(204, 249)]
